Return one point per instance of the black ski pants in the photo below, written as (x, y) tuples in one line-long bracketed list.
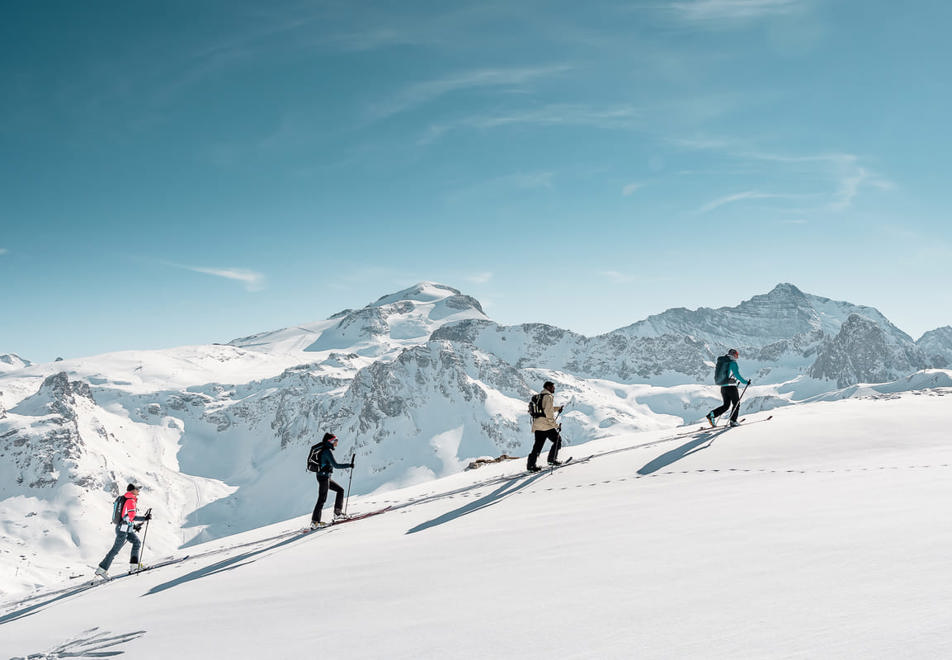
[(123, 533), (324, 482), (731, 398), (540, 438)]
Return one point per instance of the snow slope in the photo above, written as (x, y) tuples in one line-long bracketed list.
[(819, 533)]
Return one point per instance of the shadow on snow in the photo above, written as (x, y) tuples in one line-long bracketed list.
[(694, 445)]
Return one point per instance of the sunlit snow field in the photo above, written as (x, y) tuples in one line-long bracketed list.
[(819, 533)]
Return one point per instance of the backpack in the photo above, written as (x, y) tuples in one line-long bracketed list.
[(117, 507), (535, 406), (722, 371), (314, 458)]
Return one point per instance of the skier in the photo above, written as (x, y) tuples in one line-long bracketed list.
[(321, 460), (126, 530), (545, 428), (727, 375)]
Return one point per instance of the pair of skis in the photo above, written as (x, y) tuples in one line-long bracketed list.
[(740, 422), (340, 521), (550, 467), (141, 569)]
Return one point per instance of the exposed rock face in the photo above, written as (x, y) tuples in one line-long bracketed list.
[(53, 445), (936, 345), (862, 353)]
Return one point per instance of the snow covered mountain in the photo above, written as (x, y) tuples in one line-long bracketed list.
[(416, 384), (12, 362)]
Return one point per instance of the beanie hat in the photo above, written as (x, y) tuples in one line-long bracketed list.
[(329, 436)]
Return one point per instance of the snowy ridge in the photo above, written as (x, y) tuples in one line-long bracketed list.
[(416, 384), (12, 362)]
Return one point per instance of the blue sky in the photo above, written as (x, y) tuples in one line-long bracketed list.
[(178, 173)]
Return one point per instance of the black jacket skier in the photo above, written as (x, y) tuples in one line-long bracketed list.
[(321, 460)]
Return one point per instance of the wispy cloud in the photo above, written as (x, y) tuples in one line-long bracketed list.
[(479, 278), (253, 280), (725, 12), (631, 188), (504, 185), (616, 118), (738, 197), (849, 177), (617, 277), (424, 92), (842, 174)]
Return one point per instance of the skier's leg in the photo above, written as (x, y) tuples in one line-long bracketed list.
[(735, 402), (116, 547), (136, 545), (339, 499), (556, 439), (321, 498), (536, 449), (726, 396)]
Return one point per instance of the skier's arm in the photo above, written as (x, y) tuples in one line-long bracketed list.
[(736, 372), (334, 463), (548, 408)]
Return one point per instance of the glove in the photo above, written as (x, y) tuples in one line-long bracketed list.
[(147, 516), (561, 408), (351, 465), (137, 527), (750, 382)]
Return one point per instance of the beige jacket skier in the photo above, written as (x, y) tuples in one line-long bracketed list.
[(548, 422)]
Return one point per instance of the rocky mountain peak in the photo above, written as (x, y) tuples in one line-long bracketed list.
[(57, 395), (937, 346), (785, 290), (862, 353)]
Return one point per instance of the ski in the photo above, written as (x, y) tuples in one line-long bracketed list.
[(715, 426), (359, 516), (142, 569), (551, 468), (562, 464), (742, 421)]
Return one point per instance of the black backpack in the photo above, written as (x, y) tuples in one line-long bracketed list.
[(722, 371), (535, 406), (314, 458), (117, 509)]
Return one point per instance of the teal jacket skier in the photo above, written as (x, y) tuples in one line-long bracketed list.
[(727, 375)]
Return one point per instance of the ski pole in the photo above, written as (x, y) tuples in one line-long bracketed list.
[(144, 535), (353, 457), (737, 405)]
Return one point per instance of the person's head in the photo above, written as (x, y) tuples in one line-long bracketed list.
[(331, 439), (549, 385), (132, 488), (733, 353)]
